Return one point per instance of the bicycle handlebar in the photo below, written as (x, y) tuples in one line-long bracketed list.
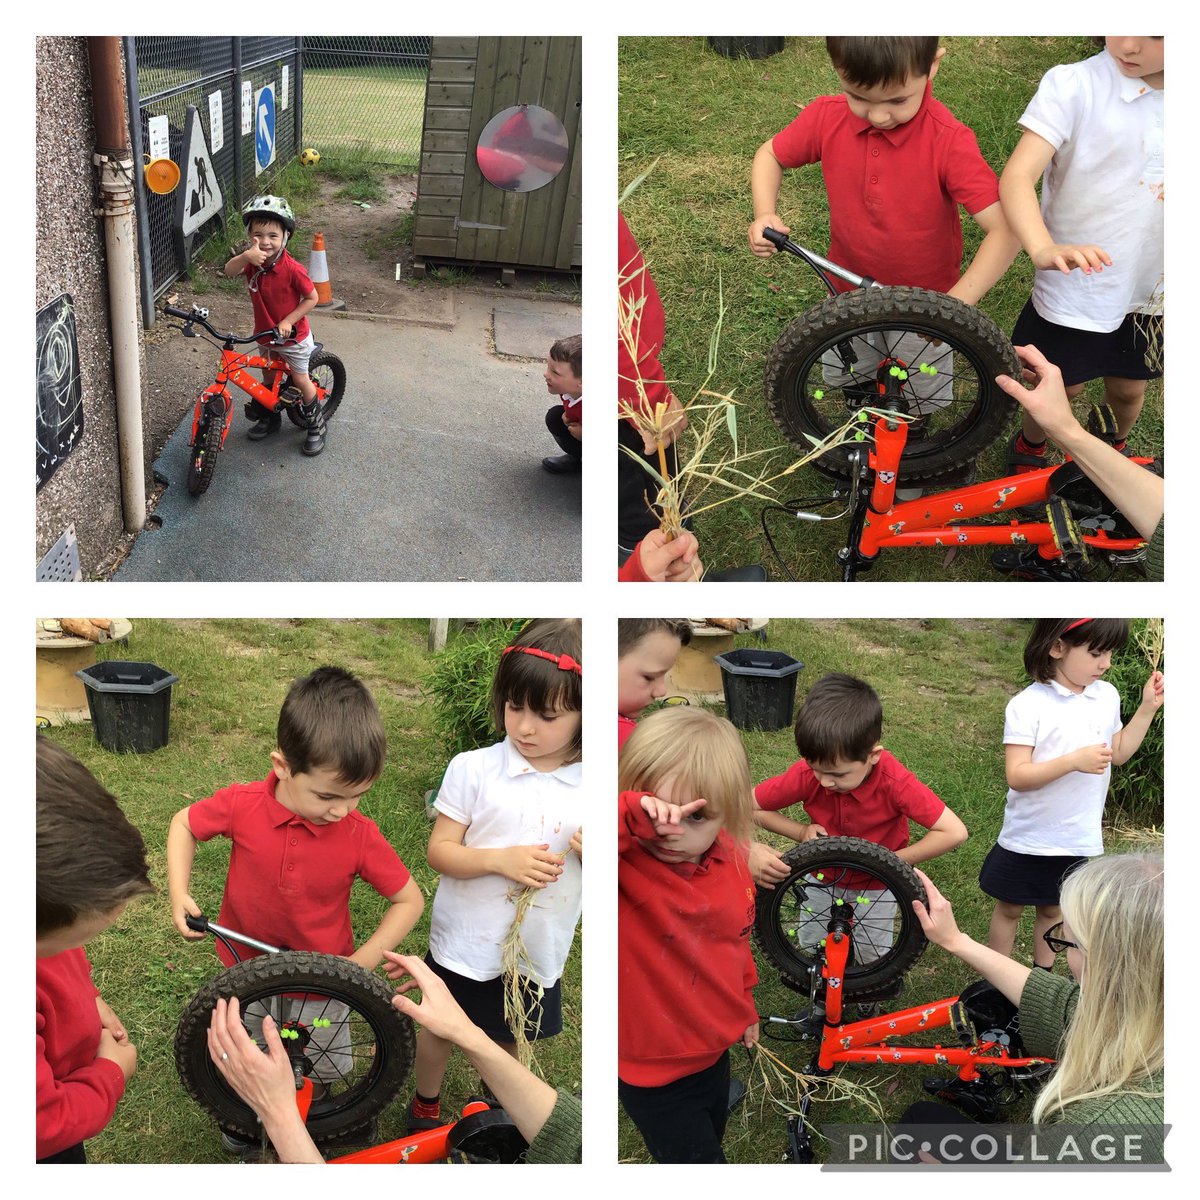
[(202, 924), (198, 317), (782, 242)]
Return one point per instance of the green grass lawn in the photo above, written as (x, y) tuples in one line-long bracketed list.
[(694, 120), (944, 686), (370, 112), (233, 676)]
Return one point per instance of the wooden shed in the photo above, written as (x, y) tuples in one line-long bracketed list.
[(460, 216)]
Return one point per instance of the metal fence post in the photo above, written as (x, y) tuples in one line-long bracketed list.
[(299, 94), (133, 103), (236, 45)]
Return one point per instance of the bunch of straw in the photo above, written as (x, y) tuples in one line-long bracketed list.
[(717, 469), (521, 991), (1149, 637), (1150, 321)]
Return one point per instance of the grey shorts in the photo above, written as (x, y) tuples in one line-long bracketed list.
[(295, 354)]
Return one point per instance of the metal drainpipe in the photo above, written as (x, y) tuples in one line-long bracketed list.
[(114, 166)]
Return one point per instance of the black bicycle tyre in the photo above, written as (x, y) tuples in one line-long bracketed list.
[(335, 387), (964, 330), (285, 974), (853, 854), (203, 453)]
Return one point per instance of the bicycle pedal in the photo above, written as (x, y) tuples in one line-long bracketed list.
[(1065, 531), (1102, 423), (290, 394)]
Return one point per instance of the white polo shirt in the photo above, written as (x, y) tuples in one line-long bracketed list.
[(1063, 817), (1103, 186), (504, 801)]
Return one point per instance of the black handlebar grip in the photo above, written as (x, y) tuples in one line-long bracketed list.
[(199, 924), (773, 236), (176, 312)]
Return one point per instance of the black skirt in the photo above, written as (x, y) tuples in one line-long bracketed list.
[(1025, 878), (483, 1002), (1083, 354)]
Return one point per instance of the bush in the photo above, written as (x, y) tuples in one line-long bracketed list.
[(460, 684), (1135, 795)]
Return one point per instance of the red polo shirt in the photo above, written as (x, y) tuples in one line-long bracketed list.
[(289, 881), (277, 292), (893, 194), (647, 327), (878, 810)]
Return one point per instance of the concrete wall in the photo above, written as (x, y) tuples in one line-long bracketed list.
[(70, 258)]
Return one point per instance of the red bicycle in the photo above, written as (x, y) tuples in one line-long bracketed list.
[(350, 1048), (214, 405), (932, 361), (841, 927)]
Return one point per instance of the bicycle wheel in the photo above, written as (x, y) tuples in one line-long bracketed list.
[(328, 372), (831, 874), (361, 1051), (906, 349), (203, 452)]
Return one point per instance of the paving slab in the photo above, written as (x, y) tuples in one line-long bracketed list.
[(432, 472), (528, 329)]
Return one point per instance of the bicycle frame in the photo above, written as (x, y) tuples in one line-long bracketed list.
[(878, 521)]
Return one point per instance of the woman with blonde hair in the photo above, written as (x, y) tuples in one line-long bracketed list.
[(685, 909), (1104, 1026)]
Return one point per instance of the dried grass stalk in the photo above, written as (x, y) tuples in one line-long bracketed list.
[(1150, 835), (1149, 638), (521, 990), (717, 470), (1150, 321)]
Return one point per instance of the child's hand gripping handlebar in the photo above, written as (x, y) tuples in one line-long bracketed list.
[(202, 924), (821, 265)]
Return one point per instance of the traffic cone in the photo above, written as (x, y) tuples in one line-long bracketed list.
[(318, 272)]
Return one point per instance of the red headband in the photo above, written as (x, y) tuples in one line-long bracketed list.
[(1076, 624), (564, 662)]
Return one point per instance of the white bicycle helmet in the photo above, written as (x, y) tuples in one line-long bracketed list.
[(270, 206)]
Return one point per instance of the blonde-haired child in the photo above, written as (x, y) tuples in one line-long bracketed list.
[(686, 906)]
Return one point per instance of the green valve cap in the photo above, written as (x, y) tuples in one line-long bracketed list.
[(818, 394)]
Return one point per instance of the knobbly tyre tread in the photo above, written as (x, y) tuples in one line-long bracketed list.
[(898, 876), (198, 481), (298, 971), (337, 369), (797, 351)]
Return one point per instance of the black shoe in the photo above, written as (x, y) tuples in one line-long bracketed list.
[(266, 425), (314, 438), (562, 464)]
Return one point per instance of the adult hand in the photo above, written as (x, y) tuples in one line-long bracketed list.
[(265, 1081), (673, 420), (937, 918), (767, 868), (671, 560), (1047, 403), (437, 1010)]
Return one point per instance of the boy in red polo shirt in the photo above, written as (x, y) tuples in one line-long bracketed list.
[(90, 863), (850, 786), (897, 164), (299, 843)]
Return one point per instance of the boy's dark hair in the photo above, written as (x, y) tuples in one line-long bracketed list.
[(631, 630), (1097, 633), (329, 719), (534, 682), (570, 351), (876, 61), (90, 858), (841, 718)]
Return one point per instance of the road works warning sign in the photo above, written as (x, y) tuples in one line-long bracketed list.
[(201, 194)]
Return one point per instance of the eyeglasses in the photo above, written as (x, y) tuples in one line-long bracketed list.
[(1054, 939)]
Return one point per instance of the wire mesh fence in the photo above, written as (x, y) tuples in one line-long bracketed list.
[(364, 97), (223, 79)]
